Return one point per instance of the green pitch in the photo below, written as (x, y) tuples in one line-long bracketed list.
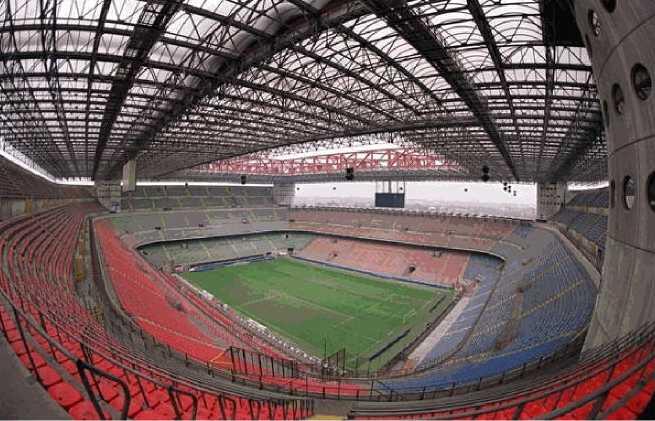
[(319, 307)]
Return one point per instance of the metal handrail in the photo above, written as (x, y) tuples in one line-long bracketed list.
[(633, 342), (394, 395), (85, 367), (399, 394)]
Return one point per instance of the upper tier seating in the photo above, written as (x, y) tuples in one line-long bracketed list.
[(148, 227), (590, 225), (61, 335), (597, 198), (17, 183), (180, 197), (415, 228)]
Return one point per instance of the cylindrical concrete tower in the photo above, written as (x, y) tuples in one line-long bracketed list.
[(620, 37)]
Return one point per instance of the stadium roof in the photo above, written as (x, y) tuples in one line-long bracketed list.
[(88, 84)]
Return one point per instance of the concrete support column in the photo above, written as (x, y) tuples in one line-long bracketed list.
[(619, 37), (550, 199), (129, 176), (283, 193)]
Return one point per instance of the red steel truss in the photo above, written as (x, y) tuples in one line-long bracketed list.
[(372, 160)]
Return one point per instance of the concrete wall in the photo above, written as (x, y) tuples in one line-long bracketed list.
[(624, 38), (550, 199)]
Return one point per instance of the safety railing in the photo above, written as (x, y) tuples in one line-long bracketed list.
[(297, 384), (628, 359), (86, 366), (265, 372)]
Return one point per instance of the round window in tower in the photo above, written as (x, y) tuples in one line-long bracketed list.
[(641, 81), (618, 98), (594, 22), (650, 190), (628, 192)]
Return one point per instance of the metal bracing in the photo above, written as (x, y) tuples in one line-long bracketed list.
[(86, 85), (583, 138), (263, 46), (152, 22), (549, 87), (417, 32), (48, 9), (485, 30)]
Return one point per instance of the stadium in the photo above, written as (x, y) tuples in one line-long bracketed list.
[(159, 262)]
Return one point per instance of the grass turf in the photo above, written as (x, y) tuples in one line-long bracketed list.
[(318, 307)]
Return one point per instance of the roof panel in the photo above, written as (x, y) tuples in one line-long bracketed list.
[(268, 73)]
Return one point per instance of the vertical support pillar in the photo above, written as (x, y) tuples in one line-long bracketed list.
[(129, 176), (551, 197), (617, 35), (283, 193)]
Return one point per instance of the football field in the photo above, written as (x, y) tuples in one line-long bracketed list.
[(321, 308)]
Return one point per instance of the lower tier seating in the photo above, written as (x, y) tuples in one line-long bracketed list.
[(174, 314), (222, 248), (424, 265), (616, 381), (87, 370)]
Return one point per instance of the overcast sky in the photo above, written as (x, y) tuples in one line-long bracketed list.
[(478, 192)]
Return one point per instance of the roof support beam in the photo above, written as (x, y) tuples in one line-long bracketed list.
[(48, 9), (151, 25), (315, 14), (482, 23), (263, 47), (583, 136), (417, 32), (92, 68), (550, 87), (387, 130), (15, 73)]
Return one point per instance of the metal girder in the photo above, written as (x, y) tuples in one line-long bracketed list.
[(151, 24), (229, 78), (428, 126), (15, 76), (389, 61), (265, 47), (550, 86), (485, 30), (92, 68), (413, 28), (315, 14), (583, 139), (48, 10)]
